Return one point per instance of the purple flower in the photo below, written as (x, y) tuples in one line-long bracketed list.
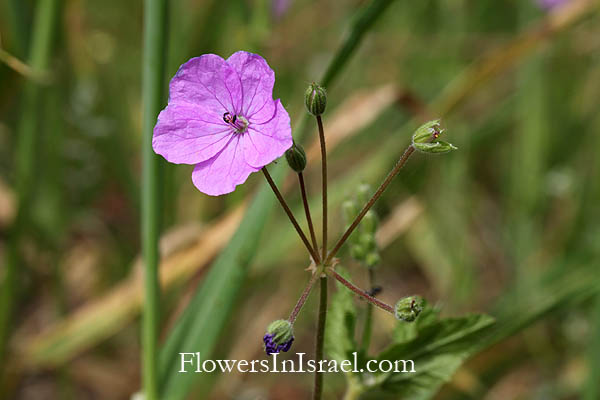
[(272, 347), (221, 116), (550, 4)]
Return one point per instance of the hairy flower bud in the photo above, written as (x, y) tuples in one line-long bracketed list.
[(279, 336), (349, 211), (358, 252), (315, 99), (296, 157), (372, 259), (428, 132), (408, 308), (364, 193), (425, 139), (369, 222)]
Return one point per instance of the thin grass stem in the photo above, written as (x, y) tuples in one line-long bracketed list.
[(154, 61)]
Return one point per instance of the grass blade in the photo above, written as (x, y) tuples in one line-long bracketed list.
[(27, 138), (154, 62)]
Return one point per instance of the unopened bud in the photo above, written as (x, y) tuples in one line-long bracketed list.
[(296, 157), (408, 308), (428, 132), (349, 210), (364, 193), (372, 259), (369, 222), (358, 252), (279, 336), (426, 139), (315, 99)]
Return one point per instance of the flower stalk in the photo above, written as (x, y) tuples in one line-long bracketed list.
[(401, 162), (324, 182), (311, 228), (367, 329), (290, 215), (360, 292), (303, 298), (318, 381)]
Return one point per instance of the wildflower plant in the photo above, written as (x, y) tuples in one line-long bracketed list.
[(222, 119)]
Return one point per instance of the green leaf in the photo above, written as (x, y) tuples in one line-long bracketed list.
[(200, 327), (437, 348)]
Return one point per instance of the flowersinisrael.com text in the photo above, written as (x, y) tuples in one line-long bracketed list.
[(193, 363)]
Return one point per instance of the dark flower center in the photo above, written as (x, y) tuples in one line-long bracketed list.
[(238, 122)]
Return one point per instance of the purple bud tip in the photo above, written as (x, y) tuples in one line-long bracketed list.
[(550, 4), (271, 347)]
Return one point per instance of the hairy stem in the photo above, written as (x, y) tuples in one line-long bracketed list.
[(303, 298), (290, 215), (318, 386), (311, 227), (366, 336), (405, 156), (324, 182), (360, 292)]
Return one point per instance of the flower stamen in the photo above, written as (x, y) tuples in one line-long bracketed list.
[(237, 122)]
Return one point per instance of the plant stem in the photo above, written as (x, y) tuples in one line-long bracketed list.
[(318, 386), (303, 298), (311, 228), (324, 182), (289, 213), (405, 156), (360, 292), (366, 337), (154, 61)]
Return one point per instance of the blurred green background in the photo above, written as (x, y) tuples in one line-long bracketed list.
[(508, 225)]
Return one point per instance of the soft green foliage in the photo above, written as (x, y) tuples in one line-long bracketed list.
[(341, 323), (438, 346)]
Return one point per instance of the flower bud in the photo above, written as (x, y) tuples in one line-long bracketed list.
[(279, 336), (367, 240), (349, 211), (315, 99), (369, 222), (296, 157), (358, 252), (372, 259), (364, 193), (427, 132), (438, 147), (408, 308)]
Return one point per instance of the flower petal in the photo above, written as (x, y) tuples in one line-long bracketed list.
[(223, 172), (257, 80), (264, 143), (208, 81), (186, 134)]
